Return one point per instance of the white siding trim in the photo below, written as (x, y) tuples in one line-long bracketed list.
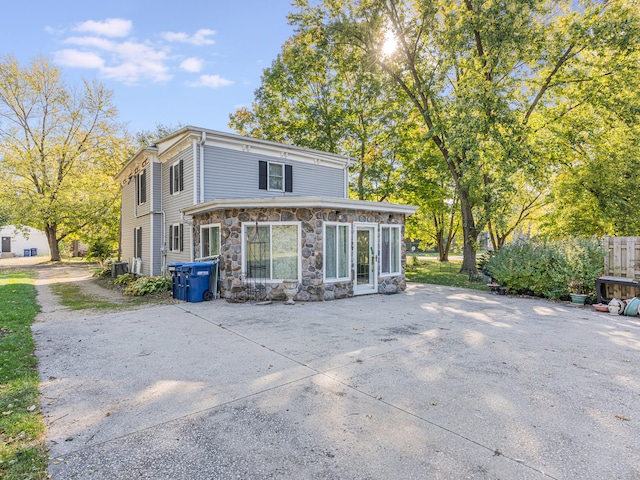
[(195, 172)]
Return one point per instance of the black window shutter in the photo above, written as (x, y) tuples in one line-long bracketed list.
[(181, 164), (262, 171), (171, 179), (135, 242), (288, 178), (181, 235), (139, 242), (143, 186), (170, 237)]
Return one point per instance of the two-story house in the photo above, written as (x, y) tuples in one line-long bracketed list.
[(269, 211)]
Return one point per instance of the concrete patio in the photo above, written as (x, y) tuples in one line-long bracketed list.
[(435, 383)]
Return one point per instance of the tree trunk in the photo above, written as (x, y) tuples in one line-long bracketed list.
[(51, 231), (469, 234)]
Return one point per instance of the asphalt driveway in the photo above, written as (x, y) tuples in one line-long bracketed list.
[(435, 383)]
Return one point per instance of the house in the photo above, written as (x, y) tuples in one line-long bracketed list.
[(15, 242), (271, 212)]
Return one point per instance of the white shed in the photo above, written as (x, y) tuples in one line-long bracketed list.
[(16, 241)]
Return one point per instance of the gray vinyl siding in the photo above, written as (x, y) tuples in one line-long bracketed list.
[(176, 202), (234, 174), (144, 208), (156, 183), (128, 221), (157, 244)]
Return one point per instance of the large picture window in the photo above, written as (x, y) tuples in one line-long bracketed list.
[(390, 250), (272, 251), (209, 240), (336, 251)]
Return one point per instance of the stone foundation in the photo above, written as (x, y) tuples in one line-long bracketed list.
[(234, 287)]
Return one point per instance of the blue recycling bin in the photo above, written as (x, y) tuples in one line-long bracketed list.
[(198, 278), (178, 287), (27, 252)]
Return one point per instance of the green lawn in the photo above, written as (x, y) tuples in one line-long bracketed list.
[(432, 271), (22, 449)]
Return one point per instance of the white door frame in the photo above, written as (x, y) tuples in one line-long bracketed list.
[(372, 286)]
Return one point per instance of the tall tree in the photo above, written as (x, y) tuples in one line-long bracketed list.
[(316, 95), (488, 78), (59, 150)]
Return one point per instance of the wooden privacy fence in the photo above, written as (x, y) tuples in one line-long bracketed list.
[(622, 259)]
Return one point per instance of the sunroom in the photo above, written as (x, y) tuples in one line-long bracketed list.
[(332, 248)]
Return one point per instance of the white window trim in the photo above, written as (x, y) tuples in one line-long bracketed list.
[(269, 177), (137, 187), (209, 225), (399, 258), (324, 252), (270, 224), (172, 228)]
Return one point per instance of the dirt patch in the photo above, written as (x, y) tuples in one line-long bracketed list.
[(80, 275)]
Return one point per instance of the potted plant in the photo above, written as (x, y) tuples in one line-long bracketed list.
[(584, 263)]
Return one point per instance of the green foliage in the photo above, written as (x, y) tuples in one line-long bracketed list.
[(548, 268), (22, 449), (60, 148), (439, 273), (147, 285), (125, 279), (101, 272), (100, 250)]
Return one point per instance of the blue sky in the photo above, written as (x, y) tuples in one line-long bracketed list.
[(193, 61)]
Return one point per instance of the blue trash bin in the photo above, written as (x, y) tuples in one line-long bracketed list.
[(178, 287), (27, 252), (198, 277), (34, 252)]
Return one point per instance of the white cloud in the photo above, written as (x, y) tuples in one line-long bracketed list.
[(78, 59), (97, 42), (198, 38), (192, 64), (211, 81), (111, 27)]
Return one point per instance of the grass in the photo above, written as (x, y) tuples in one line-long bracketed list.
[(22, 449), (439, 273), (72, 296)]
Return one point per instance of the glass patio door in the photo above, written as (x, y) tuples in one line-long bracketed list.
[(365, 256)]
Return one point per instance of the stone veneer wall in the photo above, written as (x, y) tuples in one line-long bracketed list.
[(313, 286)]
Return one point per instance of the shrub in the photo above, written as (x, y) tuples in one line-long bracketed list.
[(99, 250), (548, 268), (147, 285), (124, 279), (101, 272)]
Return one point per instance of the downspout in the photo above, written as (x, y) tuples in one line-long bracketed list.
[(195, 172), (202, 141), (346, 178)]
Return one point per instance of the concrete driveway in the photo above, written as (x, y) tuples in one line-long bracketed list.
[(435, 383)]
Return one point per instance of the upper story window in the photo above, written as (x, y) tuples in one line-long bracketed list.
[(141, 187), (176, 177), (275, 177)]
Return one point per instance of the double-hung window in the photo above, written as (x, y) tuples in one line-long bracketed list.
[(390, 249), (337, 238), (141, 187), (137, 242), (209, 240), (275, 177), (272, 251), (176, 177), (176, 237)]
